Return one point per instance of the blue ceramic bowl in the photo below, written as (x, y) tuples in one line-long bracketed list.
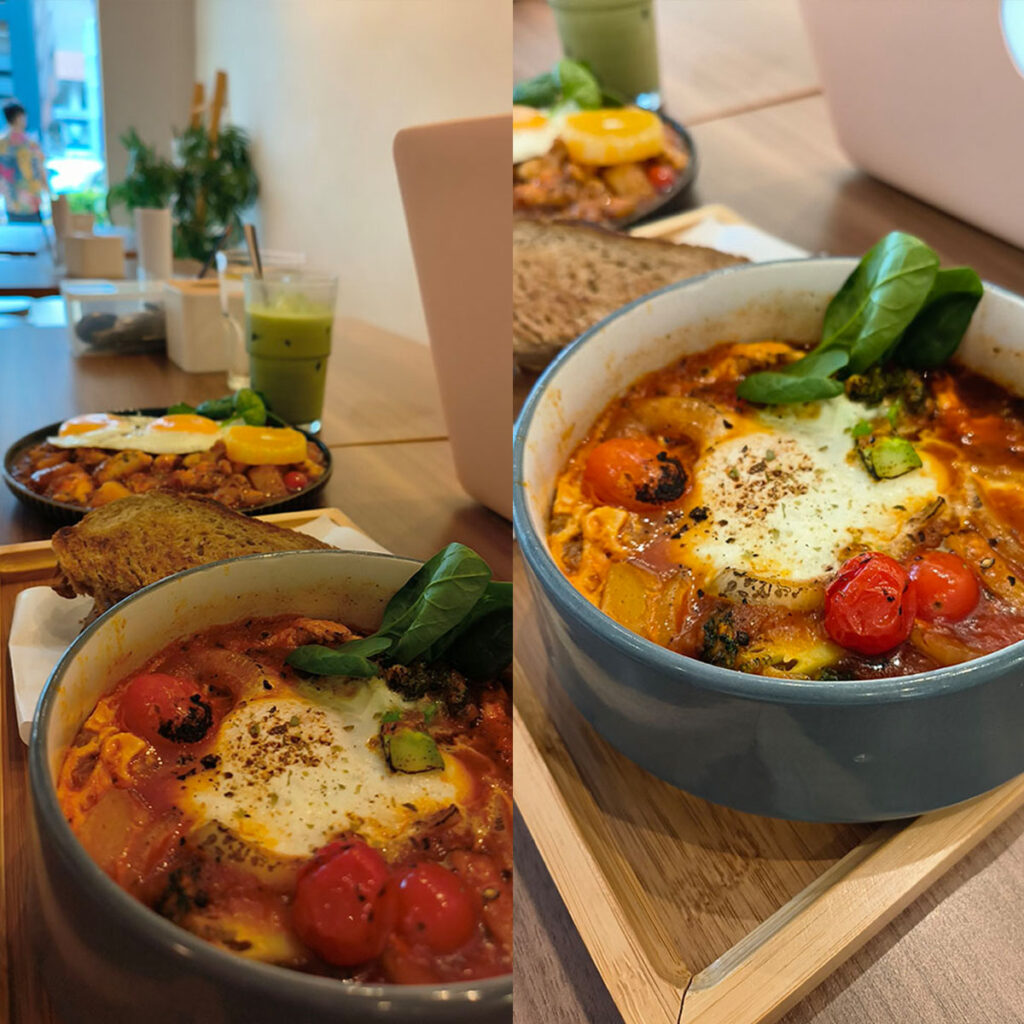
[(817, 751), (107, 957)]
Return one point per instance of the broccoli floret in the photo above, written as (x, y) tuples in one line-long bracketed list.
[(878, 382), (722, 640)]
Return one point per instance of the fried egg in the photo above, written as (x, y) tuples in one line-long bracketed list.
[(533, 133), (787, 500), (298, 767), (174, 434)]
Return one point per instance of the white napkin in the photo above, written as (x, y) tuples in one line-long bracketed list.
[(740, 240), (44, 624)]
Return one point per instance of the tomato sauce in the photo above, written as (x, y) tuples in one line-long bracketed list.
[(428, 902), (632, 535)]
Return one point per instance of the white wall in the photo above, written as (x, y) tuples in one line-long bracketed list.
[(147, 54), (322, 86)]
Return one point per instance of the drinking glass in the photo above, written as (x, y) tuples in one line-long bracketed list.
[(616, 39), (233, 266), (289, 318)]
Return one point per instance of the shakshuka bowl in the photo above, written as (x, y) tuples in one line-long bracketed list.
[(106, 956), (809, 750)]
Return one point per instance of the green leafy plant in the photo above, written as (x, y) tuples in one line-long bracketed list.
[(149, 179), (207, 186), (89, 200), (897, 304), (215, 182), (450, 611), (570, 82)]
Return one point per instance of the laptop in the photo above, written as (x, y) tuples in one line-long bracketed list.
[(452, 177)]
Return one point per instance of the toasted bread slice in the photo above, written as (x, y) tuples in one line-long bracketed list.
[(129, 543), (567, 277)]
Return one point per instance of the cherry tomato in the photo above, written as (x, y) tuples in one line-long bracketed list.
[(944, 585), (635, 473), (166, 709), (436, 908), (870, 606), (295, 481), (661, 176), (346, 903)]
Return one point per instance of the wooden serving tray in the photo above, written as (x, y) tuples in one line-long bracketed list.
[(22, 988), (693, 913)]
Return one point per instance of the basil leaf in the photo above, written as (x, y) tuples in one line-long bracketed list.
[(250, 406), (325, 661), (540, 91), (817, 364), (485, 649), (435, 600), (179, 407), (366, 647), (774, 388), (578, 85), (939, 327), (216, 408), (497, 598), (879, 299)]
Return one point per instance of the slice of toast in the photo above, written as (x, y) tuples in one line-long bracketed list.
[(127, 544), (567, 277)]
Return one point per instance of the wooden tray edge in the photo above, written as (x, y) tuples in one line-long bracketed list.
[(756, 984), (640, 993), (772, 979), (666, 227)]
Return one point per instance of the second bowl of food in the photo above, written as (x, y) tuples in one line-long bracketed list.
[(790, 583), (224, 836)]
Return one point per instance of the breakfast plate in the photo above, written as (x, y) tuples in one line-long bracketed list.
[(65, 513)]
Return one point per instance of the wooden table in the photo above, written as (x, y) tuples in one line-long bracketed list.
[(393, 474), (740, 73)]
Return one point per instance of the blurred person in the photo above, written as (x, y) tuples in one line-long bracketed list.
[(22, 169)]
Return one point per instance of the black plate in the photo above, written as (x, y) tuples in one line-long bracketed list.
[(673, 197), (674, 194), (67, 514)]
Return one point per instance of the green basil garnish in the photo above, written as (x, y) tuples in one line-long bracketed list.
[(879, 299), (570, 82), (450, 611), (937, 330), (328, 661), (895, 304)]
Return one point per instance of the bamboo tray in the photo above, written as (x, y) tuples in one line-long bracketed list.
[(22, 988), (692, 913)]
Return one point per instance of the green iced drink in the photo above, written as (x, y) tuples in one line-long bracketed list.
[(616, 39), (288, 327)]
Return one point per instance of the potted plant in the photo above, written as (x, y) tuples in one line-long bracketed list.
[(146, 192), (205, 188)]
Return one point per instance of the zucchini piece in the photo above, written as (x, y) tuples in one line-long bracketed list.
[(410, 751), (889, 457)]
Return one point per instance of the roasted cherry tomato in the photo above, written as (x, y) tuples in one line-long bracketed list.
[(661, 176), (436, 909), (346, 903), (870, 606), (295, 481), (944, 586), (164, 708), (635, 473)]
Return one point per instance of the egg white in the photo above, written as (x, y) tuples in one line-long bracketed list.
[(528, 143), (788, 499), (297, 768), (132, 433)]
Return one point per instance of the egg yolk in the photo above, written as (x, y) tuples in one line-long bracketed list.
[(264, 446), (524, 118), (183, 423), (87, 424), (613, 136)]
